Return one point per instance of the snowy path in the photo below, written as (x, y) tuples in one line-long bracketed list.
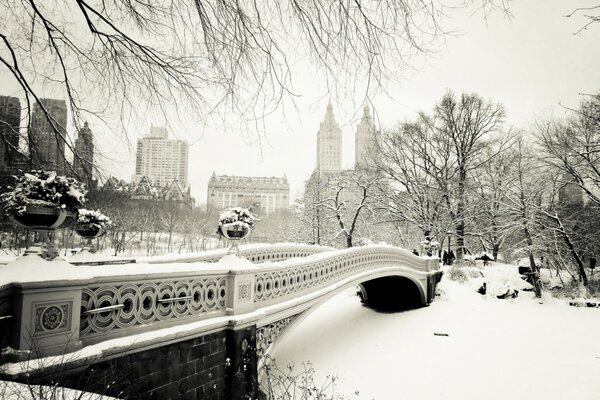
[(496, 349)]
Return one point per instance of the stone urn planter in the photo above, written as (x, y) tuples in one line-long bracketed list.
[(235, 224), (89, 231), (91, 225), (43, 201), (43, 218), (235, 230)]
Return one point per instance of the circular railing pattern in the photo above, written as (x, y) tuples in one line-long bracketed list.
[(109, 307), (266, 335), (290, 280)]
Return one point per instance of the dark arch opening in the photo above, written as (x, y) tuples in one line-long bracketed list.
[(390, 293)]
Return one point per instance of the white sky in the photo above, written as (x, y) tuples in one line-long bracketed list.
[(531, 63)]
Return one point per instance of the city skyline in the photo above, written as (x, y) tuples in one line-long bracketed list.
[(512, 61)]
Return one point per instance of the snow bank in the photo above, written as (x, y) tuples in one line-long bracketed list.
[(464, 346)]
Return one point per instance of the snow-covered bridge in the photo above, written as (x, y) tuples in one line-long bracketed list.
[(207, 323)]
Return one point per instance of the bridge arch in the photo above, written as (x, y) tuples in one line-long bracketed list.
[(390, 279)]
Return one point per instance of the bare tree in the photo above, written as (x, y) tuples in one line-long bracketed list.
[(491, 222), (348, 197), (572, 146), (470, 124), (524, 200), (418, 171)]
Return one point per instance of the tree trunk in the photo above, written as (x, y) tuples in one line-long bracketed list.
[(460, 215), (348, 241), (535, 276), (495, 251), (580, 267)]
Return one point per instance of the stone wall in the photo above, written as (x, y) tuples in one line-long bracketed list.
[(210, 367)]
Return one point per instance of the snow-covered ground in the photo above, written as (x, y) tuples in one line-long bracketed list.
[(494, 349)]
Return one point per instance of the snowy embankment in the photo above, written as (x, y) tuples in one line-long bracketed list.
[(463, 346)]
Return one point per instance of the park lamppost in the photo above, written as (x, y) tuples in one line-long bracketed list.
[(449, 233)]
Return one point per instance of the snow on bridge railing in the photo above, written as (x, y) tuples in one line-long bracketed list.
[(290, 278), (66, 306), (258, 252)]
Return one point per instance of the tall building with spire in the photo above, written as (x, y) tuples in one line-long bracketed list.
[(365, 140), (160, 159), (48, 135), (329, 144), (83, 160)]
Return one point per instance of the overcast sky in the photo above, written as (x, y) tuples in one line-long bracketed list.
[(532, 63)]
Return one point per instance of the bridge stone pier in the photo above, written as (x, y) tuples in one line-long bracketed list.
[(185, 328)]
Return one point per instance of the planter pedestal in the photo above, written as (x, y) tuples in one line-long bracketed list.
[(234, 232), (44, 220), (89, 232)]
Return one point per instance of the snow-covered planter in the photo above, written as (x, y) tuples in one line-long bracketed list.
[(235, 223), (91, 224), (43, 200)]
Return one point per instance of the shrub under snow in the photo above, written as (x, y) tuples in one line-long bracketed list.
[(44, 189)]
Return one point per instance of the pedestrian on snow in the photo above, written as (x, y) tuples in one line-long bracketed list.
[(486, 259), (445, 258), (451, 257), (415, 252)]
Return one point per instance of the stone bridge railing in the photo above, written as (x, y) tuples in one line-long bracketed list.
[(253, 252), (75, 306)]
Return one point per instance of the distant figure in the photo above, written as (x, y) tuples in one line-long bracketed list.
[(451, 257), (486, 259), (445, 258), (415, 252), (592, 262)]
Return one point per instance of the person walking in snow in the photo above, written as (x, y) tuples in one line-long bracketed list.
[(451, 257)]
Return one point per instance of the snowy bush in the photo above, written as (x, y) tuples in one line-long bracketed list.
[(460, 273), (93, 218), (238, 215), (291, 383), (43, 189)]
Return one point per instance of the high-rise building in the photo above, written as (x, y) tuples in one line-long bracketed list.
[(570, 194), (10, 122), (266, 194), (365, 139), (329, 144), (160, 159), (83, 159), (48, 135)]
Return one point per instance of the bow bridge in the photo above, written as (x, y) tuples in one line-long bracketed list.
[(184, 327)]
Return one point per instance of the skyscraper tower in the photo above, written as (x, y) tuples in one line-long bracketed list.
[(365, 139), (329, 144), (160, 159), (83, 159), (48, 135), (10, 121)]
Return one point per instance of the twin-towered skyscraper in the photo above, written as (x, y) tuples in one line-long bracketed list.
[(329, 142)]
